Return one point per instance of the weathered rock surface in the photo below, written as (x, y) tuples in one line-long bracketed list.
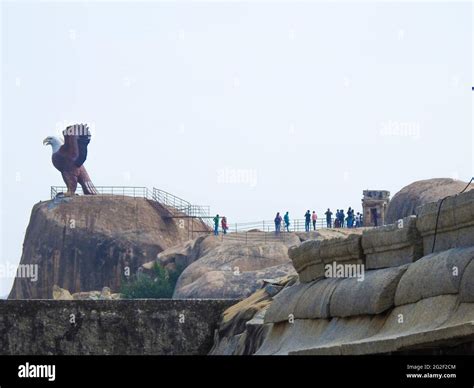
[(109, 327), (242, 328), (405, 202), (325, 234), (104, 294), (433, 275), (392, 245), (225, 268), (84, 243), (335, 297), (311, 257), (373, 295), (455, 223), (467, 284), (61, 294)]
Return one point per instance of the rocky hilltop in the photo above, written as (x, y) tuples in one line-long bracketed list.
[(86, 243)]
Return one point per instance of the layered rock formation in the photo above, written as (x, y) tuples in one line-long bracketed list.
[(408, 299), (88, 242)]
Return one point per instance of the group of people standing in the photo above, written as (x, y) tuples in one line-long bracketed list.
[(223, 222), (308, 218), (341, 220)]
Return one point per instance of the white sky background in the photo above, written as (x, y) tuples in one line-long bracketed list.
[(307, 96)]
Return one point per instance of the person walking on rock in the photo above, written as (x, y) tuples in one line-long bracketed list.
[(224, 225), (328, 218), (286, 218), (216, 225), (314, 218), (277, 223), (307, 220)]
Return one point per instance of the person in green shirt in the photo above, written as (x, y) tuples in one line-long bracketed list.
[(216, 225), (286, 218)]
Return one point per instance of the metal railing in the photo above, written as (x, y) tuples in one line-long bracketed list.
[(177, 206), (264, 231), (124, 191), (170, 200), (296, 225)]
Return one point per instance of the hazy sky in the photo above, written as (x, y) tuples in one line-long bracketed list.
[(249, 108)]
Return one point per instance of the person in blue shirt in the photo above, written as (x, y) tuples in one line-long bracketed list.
[(286, 218), (307, 220), (277, 223), (328, 218)]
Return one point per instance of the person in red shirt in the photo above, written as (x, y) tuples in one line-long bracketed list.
[(224, 225), (314, 218)]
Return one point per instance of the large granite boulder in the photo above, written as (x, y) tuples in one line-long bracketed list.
[(86, 243), (405, 202), (233, 269)]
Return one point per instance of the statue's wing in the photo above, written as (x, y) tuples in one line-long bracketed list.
[(76, 139)]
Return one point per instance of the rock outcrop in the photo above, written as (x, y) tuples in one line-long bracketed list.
[(105, 294), (408, 299), (229, 268), (86, 243), (242, 330), (405, 202), (236, 265)]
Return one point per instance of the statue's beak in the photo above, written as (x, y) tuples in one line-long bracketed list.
[(46, 141)]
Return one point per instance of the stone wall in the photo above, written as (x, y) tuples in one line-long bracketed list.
[(132, 327)]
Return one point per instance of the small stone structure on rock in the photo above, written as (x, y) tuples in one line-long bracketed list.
[(374, 206)]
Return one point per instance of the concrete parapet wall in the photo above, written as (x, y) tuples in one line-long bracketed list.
[(87, 327)]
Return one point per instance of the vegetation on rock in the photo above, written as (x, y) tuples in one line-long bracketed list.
[(159, 285)]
